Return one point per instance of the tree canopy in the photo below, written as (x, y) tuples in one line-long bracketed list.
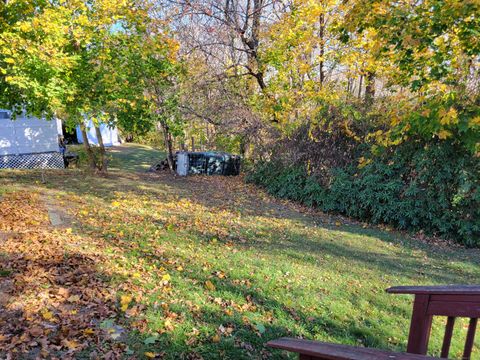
[(385, 71)]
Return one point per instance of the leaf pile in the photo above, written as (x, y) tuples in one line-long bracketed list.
[(51, 294)]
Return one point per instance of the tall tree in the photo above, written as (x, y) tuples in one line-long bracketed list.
[(148, 82), (58, 58)]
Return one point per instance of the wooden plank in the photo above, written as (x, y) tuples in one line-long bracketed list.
[(326, 351), (420, 326), (436, 290), (456, 309), (305, 357), (456, 298), (447, 339), (472, 327)]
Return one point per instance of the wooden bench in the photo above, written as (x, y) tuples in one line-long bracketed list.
[(316, 350), (451, 301)]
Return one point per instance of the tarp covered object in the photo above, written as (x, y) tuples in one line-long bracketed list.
[(109, 134)]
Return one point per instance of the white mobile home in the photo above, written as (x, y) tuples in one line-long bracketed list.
[(29, 143)]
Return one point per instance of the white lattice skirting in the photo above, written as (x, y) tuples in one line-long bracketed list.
[(50, 160)]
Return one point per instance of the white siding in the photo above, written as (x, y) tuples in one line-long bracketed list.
[(27, 135)]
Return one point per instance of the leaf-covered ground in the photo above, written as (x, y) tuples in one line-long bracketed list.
[(156, 266)]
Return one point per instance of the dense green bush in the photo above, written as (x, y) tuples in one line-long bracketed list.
[(431, 187)]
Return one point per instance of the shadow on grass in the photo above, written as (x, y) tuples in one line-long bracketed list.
[(104, 188), (291, 321), (248, 336)]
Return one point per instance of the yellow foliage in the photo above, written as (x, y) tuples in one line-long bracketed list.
[(449, 117), (71, 344), (444, 134), (125, 301), (475, 122)]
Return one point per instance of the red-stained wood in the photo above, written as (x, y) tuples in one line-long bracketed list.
[(420, 326), (447, 339), (472, 327), (305, 357), (454, 308), (456, 298), (316, 350), (450, 300), (436, 290)]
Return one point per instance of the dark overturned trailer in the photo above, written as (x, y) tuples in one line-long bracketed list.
[(207, 163)]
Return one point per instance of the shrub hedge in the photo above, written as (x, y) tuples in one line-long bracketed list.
[(432, 187)]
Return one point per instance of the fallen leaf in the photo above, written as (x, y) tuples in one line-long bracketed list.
[(71, 344), (209, 285), (73, 298), (63, 292), (125, 300), (150, 340), (47, 315), (88, 331), (36, 331), (168, 324)]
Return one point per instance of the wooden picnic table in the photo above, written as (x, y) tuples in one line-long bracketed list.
[(452, 301)]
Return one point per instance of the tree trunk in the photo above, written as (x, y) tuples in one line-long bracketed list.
[(369, 88), (252, 42), (321, 34), (360, 86), (167, 139), (102, 166), (88, 149), (243, 146)]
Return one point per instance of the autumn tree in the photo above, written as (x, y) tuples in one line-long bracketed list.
[(148, 83), (220, 42), (60, 59), (34, 68), (433, 48), (99, 79)]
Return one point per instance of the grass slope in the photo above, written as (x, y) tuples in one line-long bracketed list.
[(209, 267)]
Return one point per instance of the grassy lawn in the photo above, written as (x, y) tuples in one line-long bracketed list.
[(134, 157), (127, 157), (156, 266)]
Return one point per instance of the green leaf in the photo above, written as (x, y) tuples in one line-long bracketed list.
[(260, 328), (150, 340)]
